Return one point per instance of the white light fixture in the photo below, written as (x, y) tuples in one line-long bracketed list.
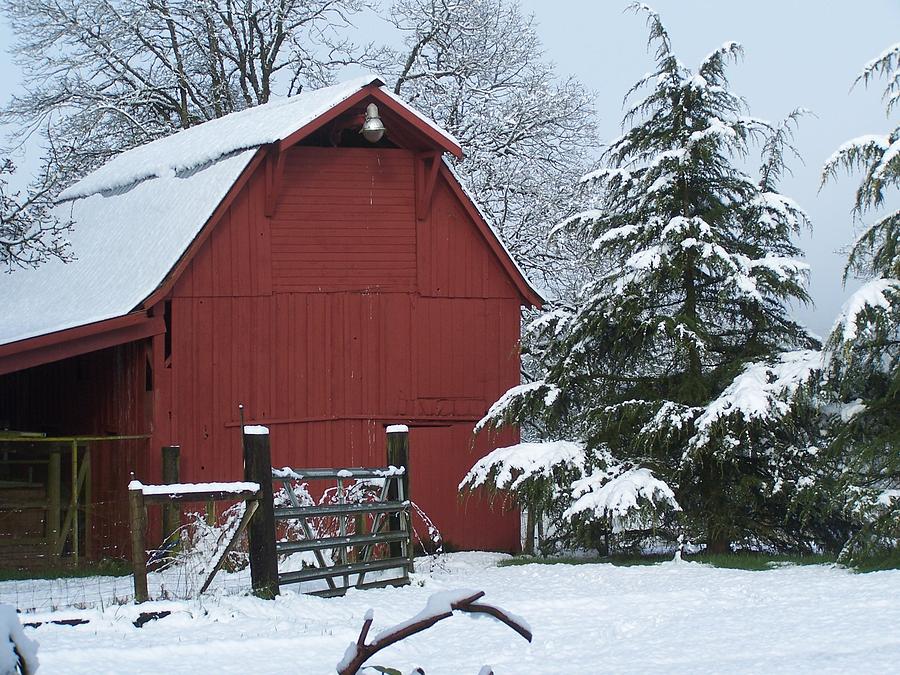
[(373, 128)]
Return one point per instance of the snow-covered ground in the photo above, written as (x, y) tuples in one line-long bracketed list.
[(671, 617)]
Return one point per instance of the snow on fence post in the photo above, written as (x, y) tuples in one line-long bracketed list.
[(261, 529), (398, 455), (138, 516), (170, 476)]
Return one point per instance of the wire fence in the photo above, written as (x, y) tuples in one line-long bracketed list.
[(179, 565), (176, 571)]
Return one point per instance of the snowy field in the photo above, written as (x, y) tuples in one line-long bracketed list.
[(671, 617)]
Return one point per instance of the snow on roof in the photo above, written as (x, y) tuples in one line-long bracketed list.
[(208, 142), (124, 244), (217, 138)]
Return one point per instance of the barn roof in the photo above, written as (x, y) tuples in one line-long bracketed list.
[(124, 245), (135, 217)]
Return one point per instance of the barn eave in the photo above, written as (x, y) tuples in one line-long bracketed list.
[(63, 344)]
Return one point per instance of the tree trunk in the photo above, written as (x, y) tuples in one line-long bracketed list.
[(528, 547), (717, 541), (539, 521), (717, 514)]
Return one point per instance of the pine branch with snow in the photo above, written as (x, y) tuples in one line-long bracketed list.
[(534, 476), (887, 65), (863, 350), (627, 500), (877, 251)]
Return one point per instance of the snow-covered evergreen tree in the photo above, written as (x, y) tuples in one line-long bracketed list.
[(676, 356), (864, 347)]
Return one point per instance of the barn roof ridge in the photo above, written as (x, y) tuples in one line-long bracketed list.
[(203, 144)]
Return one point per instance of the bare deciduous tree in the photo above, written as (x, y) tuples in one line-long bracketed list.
[(29, 233), (478, 68), (102, 76)]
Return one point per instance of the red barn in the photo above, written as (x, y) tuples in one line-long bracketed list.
[(277, 259)]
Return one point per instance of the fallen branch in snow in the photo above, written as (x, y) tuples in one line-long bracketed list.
[(56, 622), (440, 606), (147, 617)]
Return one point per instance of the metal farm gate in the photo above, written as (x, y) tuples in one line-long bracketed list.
[(360, 525), (357, 527)]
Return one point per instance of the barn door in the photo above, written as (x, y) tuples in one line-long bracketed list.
[(439, 458)]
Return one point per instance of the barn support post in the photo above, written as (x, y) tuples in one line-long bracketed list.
[(54, 480), (261, 529), (73, 502), (88, 508), (171, 471), (138, 517), (398, 456)]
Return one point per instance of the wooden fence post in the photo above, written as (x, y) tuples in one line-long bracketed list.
[(398, 455), (261, 529), (72, 516), (171, 472), (138, 512)]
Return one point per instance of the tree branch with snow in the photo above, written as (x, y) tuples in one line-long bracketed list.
[(863, 351)]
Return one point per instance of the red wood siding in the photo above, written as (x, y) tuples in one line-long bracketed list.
[(466, 352), (345, 221), (236, 260), (454, 260), (340, 314), (439, 459), (292, 357)]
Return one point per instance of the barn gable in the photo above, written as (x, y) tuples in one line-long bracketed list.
[(346, 221)]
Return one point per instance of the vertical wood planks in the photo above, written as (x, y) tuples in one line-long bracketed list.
[(171, 474)]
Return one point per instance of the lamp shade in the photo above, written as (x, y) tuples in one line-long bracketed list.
[(373, 128)]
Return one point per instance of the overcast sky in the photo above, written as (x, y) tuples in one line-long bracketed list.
[(797, 53)]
